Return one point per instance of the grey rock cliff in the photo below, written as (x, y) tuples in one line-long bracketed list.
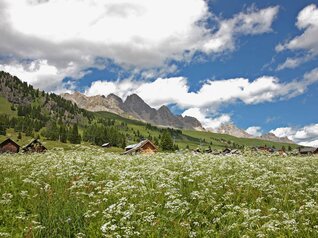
[(134, 107)]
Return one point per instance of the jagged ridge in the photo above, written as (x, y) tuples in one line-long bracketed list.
[(134, 107)]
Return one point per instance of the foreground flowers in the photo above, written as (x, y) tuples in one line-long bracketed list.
[(89, 193)]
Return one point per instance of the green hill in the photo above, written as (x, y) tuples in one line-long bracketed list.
[(33, 113), (184, 138)]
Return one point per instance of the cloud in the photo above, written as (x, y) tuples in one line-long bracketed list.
[(254, 131), (204, 116), (250, 23), (307, 20), (41, 74), (141, 34), (291, 63), (212, 94), (306, 136)]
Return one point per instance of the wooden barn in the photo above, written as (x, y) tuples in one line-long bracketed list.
[(9, 146), (145, 146), (34, 146)]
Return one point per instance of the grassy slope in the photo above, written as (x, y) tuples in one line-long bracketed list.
[(193, 139), (215, 138), (196, 138), (5, 107)]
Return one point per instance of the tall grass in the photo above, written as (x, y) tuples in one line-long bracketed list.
[(92, 194)]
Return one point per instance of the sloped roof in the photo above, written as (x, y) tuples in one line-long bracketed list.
[(32, 142), (134, 147), (9, 140)]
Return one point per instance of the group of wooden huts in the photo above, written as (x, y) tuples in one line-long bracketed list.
[(10, 146), (299, 151), (226, 151)]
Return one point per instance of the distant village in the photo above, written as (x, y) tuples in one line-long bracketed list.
[(148, 147)]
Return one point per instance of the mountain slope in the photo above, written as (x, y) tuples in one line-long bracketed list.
[(134, 107), (272, 137), (231, 129)]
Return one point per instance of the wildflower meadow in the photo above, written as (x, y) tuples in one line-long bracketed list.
[(90, 193)]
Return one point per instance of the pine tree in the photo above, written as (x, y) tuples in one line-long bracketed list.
[(75, 137), (2, 130), (166, 143), (156, 141), (52, 132), (63, 134), (123, 142)]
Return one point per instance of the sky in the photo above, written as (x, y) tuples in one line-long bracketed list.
[(251, 63)]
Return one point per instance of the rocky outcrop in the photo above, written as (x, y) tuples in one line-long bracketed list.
[(134, 107), (272, 137), (231, 129)]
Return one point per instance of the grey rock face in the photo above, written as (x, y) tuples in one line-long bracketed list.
[(134, 107)]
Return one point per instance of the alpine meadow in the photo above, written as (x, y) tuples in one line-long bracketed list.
[(85, 193), (159, 119)]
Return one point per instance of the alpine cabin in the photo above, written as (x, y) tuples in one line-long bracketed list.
[(9, 146), (145, 146), (34, 146)]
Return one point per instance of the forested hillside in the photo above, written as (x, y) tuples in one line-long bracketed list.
[(34, 112)]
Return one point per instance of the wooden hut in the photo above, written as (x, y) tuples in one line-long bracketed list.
[(226, 151), (9, 146), (145, 146), (35, 146)]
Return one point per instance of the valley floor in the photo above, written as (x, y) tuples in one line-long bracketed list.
[(90, 193)]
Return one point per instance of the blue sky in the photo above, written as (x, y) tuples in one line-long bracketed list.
[(251, 63)]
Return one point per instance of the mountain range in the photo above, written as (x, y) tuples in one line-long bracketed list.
[(134, 107)]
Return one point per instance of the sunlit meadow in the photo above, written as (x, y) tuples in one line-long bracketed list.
[(90, 193)]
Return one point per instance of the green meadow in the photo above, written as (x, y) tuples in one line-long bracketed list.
[(86, 192)]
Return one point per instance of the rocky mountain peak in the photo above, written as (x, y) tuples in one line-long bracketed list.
[(114, 97), (133, 107), (138, 108), (231, 129), (272, 137), (134, 98), (165, 110)]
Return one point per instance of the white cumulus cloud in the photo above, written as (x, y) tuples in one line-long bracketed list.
[(140, 34), (307, 135), (209, 122), (254, 131), (307, 21), (41, 74), (212, 94)]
